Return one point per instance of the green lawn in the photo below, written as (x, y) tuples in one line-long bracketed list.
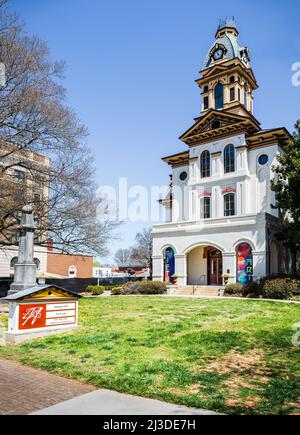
[(231, 356)]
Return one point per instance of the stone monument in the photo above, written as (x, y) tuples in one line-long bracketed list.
[(25, 268)]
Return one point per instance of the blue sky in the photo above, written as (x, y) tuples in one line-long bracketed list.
[(131, 67)]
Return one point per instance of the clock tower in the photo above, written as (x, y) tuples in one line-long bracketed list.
[(227, 80), (220, 224)]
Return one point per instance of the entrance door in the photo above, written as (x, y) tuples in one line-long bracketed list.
[(215, 267)]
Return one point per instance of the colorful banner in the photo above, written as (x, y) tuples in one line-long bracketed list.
[(169, 265), (244, 263)]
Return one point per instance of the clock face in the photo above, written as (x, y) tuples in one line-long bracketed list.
[(218, 54)]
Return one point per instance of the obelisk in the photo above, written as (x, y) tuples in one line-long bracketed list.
[(25, 268)]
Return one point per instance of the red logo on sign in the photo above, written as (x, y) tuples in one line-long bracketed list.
[(32, 316)]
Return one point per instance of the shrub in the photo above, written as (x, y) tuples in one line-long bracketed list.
[(280, 288), (153, 288), (233, 289), (96, 290), (145, 288), (252, 290), (132, 288), (116, 291)]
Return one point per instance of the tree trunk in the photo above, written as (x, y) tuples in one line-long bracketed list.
[(294, 263)]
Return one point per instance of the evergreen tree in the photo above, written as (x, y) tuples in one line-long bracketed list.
[(286, 186)]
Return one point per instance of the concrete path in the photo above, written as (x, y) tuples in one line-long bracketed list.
[(106, 402), (24, 390)]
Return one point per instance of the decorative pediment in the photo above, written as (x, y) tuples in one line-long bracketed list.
[(216, 124)]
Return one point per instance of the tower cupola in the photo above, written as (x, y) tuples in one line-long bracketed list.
[(227, 80)]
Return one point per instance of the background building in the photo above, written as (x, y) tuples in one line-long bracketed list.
[(23, 180), (70, 266)]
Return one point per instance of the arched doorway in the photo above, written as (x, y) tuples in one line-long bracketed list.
[(244, 263), (214, 267), (169, 264)]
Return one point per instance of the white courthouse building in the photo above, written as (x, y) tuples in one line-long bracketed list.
[(220, 225)]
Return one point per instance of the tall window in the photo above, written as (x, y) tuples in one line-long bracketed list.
[(245, 96), (205, 208), (205, 164), (219, 96), (205, 103), (229, 159), (232, 94), (229, 204)]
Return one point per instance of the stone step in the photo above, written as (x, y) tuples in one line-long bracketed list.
[(199, 290)]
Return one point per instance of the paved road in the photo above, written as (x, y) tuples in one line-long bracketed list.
[(24, 390)]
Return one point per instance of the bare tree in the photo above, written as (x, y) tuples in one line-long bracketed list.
[(122, 257), (142, 251), (34, 118)]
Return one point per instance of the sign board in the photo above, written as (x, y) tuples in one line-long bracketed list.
[(42, 315), (41, 310)]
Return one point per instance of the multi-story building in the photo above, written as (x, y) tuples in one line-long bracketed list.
[(220, 222), (23, 180)]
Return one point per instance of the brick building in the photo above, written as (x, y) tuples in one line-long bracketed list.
[(70, 266)]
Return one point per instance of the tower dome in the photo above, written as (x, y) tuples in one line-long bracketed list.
[(226, 45)]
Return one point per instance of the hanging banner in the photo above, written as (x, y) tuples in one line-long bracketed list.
[(244, 264)]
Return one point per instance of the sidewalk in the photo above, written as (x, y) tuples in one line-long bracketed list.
[(106, 402), (25, 390)]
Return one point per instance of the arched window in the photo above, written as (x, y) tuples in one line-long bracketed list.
[(219, 96), (205, 89), (13, 262), (205, 164), (229, 204), (244, 263), (37, 263), (231, 80), (169, 264), (72, 272), (229, 159), (205, 208)]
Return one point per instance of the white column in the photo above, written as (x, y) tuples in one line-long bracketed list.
[(229, 266), (217, 202), (240, 199), (259, 264), (158, 267), (181, 269)]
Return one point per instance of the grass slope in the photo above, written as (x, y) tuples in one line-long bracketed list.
[(230, 356)]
